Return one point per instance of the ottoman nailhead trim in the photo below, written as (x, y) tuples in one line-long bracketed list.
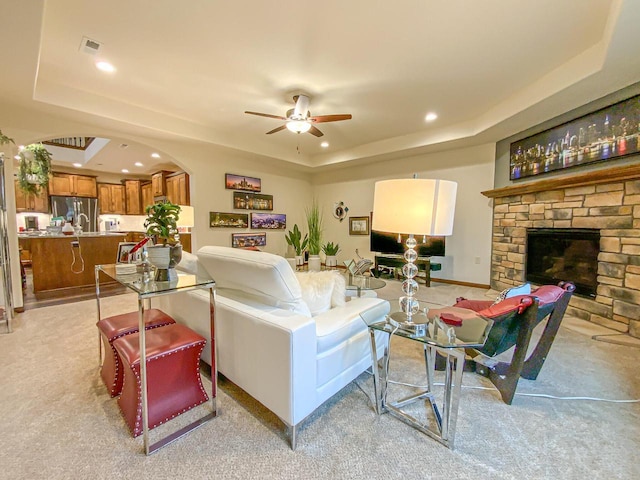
[(138, 422)]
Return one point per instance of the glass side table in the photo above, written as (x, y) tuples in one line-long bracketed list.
[(146, 290), (450, 342), (359, 283)]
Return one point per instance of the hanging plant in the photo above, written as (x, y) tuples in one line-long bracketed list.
[(35, 167), (4, 139)]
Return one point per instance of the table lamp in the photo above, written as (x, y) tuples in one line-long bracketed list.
[(415, 207)]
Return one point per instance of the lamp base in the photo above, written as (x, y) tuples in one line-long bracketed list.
[(416, 326)]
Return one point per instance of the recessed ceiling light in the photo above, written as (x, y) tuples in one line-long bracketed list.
[(77, 165), (324, 144), (17, 157), (20, 148), (105, 67), (430, 117), (138, 164), (124, 170), (155, 155)]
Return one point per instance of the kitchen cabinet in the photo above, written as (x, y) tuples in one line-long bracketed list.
[(111, 198), (29, 202), (147, 195), (133, 197), (67, 184), (177, 187), (158, 183)]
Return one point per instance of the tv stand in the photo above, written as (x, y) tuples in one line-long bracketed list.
[(397, 261)]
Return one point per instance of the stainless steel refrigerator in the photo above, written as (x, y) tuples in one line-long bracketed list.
[(77, 210)]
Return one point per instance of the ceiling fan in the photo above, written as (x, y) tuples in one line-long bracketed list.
[(299, 119)]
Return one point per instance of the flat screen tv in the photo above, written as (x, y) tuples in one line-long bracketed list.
[(387, 243)]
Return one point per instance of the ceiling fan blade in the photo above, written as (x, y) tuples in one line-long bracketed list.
[(276, 130), (267, 115), (330, 118), (314, 131)]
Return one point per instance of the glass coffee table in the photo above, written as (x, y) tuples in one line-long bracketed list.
[(447, 340), (360, 283)]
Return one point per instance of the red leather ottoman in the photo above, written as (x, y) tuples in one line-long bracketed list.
[(118, 326), (174, 385)]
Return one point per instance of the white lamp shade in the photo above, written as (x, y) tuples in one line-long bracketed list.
[(298, 126), (186, 217), (414, 206)]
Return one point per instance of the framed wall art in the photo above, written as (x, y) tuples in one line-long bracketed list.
[(241, 182), (243, 240), (228, 220), (358, 225), (268, 220), (123, 252), (252, 201), (606, 134)]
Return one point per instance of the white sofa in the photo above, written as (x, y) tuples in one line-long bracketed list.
[(268, 343)]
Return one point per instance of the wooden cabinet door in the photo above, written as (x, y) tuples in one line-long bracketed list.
[(84, 186), (21, 199), (158, 184), (178, 188), (61, 184), (118, 199), (133, 197), (40, 202), (104, 198), (147, 196)]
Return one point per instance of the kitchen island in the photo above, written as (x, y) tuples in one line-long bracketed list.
[(57, 264)]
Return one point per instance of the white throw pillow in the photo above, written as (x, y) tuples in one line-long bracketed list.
[(322, 290), (513, 291)]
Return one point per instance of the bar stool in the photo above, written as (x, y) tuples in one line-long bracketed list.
[(174, 384), (112, 328)]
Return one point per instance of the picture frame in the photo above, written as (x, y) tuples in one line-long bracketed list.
[(359, 225), (228, 220), (252, 201), (123, 253), (242, 182), (609, 133), (272, 221), (245, 240)]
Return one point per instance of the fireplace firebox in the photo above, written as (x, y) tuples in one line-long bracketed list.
[(570, 254)]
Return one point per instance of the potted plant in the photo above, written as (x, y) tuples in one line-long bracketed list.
[(314, 223), (299, 244), (161, 225), (331, 250), (35, 168)]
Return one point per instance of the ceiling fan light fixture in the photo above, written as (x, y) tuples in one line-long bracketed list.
[(298, 126)]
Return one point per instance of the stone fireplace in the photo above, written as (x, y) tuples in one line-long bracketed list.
[(607, 200)]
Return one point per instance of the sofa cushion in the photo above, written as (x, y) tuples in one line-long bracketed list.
[(258, 273), (322, 291)]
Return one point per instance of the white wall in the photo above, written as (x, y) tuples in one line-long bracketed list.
[(471, 167)]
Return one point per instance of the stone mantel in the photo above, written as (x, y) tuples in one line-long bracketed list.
[(608, 175)]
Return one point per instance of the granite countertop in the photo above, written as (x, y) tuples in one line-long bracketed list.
[(82, 235)]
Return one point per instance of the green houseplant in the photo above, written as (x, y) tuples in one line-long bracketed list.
[(35, 168), (314, 223), (299, 244), (162, 226), (331, 250)]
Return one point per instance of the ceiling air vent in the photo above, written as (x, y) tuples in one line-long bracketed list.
[(90, 46)]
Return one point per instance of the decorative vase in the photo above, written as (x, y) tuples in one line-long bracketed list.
[(165, 258), (314, 263), (331, 261), (299, 260), (67, 229)]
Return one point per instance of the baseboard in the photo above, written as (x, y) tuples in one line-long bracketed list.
[(464, 284)]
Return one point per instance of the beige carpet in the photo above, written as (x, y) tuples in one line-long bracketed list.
[(59, 422)]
